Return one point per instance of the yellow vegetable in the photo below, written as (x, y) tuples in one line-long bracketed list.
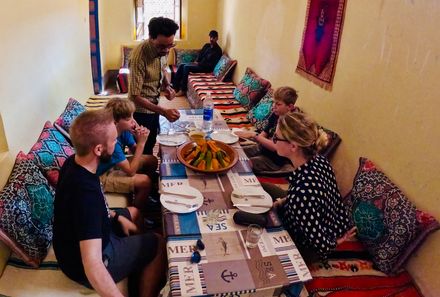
[(214, 163)]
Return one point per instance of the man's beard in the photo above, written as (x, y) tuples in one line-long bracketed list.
[(105, 157)]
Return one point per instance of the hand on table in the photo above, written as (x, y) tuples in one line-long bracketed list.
[(171, 114), (245, 134)]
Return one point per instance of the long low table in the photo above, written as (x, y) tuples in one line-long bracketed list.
[(227, 266)]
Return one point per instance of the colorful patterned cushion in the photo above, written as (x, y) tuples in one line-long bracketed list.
[(250, 89), (260, 113), (389, 225), (50, 151), (223, 67), (72, 110), (26, 211), (185, 55)]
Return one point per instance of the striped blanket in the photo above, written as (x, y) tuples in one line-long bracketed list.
[(222, 94), (350, 273)]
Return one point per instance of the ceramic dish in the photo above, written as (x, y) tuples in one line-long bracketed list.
[(172, 139), (246, 199), (181, 204), (224, 136), (187, 147)]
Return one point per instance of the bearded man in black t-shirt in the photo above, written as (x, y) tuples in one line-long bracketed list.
[(95, 246)]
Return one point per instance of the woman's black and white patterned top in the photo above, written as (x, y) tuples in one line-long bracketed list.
[(314, 213)]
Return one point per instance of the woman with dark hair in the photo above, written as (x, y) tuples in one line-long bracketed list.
[(312, 211)]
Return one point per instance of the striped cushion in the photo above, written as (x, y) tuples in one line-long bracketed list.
[(222, 94)]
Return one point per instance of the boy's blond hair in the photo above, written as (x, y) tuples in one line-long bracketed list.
[(287, 95), (121, 108)]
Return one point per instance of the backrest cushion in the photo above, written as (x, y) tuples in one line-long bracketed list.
[(388, 224), (26, 211), (250, 89), (50, 151), (223, 67), (126, 51), (72, 110), (185, 55), (260, 113), (333, 142)]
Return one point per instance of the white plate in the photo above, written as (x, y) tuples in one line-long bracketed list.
[(224, 136), (266, 200), (171, 140), (196, 202)]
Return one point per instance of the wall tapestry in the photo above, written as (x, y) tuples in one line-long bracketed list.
[(321, 38)]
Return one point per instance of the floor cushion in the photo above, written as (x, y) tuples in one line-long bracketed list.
[(350, 272), (389, 225), (26, 211)]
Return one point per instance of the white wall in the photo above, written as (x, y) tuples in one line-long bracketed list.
[(45, 59)]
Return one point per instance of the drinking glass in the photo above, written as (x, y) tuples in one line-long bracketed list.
[(253, 235), (171, 129)]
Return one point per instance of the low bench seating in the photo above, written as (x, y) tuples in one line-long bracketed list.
[(28, 266)]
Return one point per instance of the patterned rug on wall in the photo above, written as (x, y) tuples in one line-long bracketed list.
[(321, 39)]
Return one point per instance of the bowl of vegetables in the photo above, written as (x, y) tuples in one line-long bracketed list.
[(208, 156)]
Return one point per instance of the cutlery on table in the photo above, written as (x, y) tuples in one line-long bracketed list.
[(188, 196), (251, 205), (260, 196), (181, 203)]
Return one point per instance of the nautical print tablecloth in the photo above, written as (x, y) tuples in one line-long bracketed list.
[(228, 267)]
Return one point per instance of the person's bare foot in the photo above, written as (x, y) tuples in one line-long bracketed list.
[(180, 93)]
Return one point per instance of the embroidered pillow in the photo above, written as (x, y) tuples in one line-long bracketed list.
[(185, 55), (223, 67), (260, 113), (50, 151), (250, 89), (389, 225), (72, 110), (26, 211)]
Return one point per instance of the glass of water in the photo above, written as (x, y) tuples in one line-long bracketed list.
[(171, 129), (253, 235)]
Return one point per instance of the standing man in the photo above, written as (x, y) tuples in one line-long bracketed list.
[(208, 57), (147, 63), (94, 246)]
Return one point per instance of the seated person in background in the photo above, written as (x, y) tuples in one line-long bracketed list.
[(312, 211), (85, 239), (263, 155), (208, 56), (134, 175)]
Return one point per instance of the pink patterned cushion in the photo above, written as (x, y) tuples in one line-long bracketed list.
[(50, 151)]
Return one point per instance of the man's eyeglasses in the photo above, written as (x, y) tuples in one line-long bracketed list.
[(195, 256), (165, 46), (275, 139)]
